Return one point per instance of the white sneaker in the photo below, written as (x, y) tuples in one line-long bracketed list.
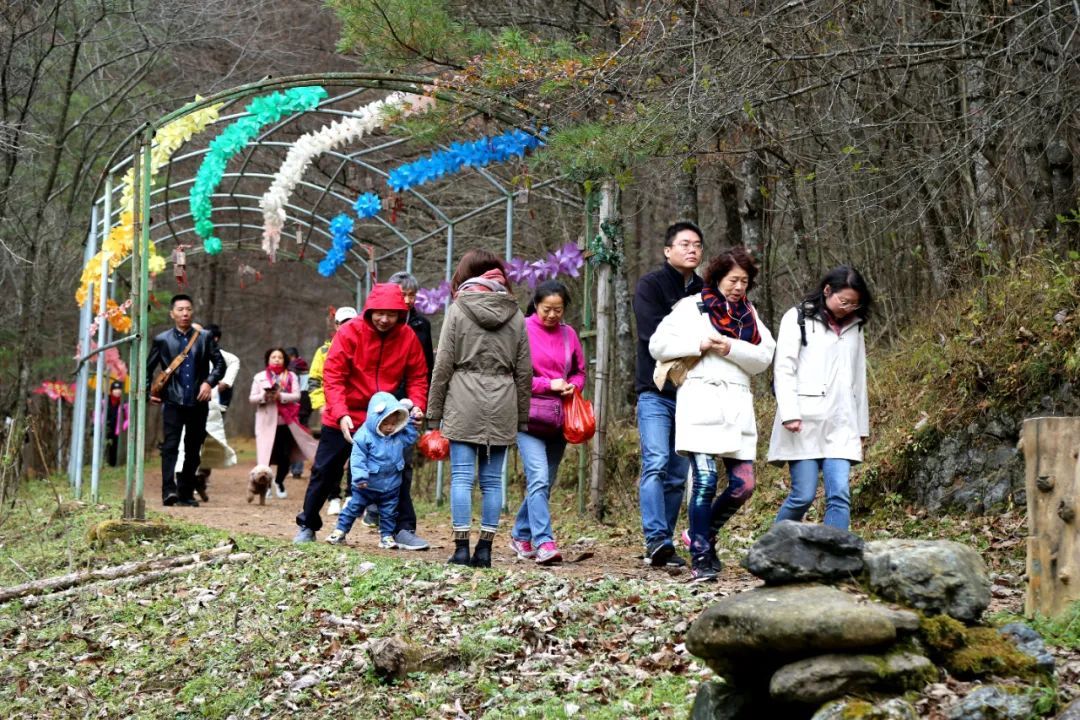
[(335, 507), (280, 491), (336, 538)]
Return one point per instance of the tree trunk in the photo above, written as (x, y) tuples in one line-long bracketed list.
[(752, 212), (729, 198), (609, 214), (1060, 160), (686, 191)]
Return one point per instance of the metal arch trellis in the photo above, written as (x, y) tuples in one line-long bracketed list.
[(501, 108)]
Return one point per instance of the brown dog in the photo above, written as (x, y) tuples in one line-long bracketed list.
[(259, 482)]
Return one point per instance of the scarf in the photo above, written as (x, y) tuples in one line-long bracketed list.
[(492, 281), (731, 319)]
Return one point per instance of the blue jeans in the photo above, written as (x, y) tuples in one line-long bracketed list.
[(541, 458), (804, 479), (463, 471), (708, 511), (385, 500), (663, 471)]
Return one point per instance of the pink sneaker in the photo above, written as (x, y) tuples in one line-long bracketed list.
[(686, 538), (523, 548), (548, 554)]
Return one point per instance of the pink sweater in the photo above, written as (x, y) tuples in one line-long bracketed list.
[(549, 355)]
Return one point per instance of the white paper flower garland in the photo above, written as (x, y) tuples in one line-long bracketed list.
[(308, 147)]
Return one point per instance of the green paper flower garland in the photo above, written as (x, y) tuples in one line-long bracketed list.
[(264, 110)]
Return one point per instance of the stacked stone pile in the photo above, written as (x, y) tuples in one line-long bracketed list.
[(840, 619)]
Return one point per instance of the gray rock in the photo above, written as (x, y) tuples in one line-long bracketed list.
[(991, 702), (771, 626), (720, 701), (891, 709), (802, 552), (817, 679), (1030, 643), (1071, 711), (934, 576)]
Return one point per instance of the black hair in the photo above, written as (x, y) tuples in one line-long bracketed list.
[(178, 298), (547, 289), (723, 263), (839, 278), (214, 329), (292, 352), (676, 228), (284, 355)]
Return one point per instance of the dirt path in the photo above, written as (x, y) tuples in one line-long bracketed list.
[(228, 510)]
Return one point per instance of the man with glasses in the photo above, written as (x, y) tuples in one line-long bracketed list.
[(663, 472)]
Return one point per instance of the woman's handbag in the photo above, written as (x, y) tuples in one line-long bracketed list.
[(580, 422), (546, 411)]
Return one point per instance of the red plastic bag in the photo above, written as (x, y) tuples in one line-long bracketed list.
[(434, 446), (579, 422)]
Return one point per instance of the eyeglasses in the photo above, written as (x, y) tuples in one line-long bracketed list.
[(845, 305), (684, 246)]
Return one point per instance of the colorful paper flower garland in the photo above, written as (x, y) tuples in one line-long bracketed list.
[(263, 110), (478, 153), (567, 260), (119, 240), (307, 148), (341, 228)]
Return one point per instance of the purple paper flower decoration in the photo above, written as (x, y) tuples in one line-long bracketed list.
[(517, 271), (569, 260)]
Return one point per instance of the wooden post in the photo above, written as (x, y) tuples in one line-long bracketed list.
[(609, 199), (1052, 478)]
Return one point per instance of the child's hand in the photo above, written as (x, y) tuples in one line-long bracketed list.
[(360, 485)]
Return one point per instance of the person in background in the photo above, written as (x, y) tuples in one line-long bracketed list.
[(185, 397), (714, 415), (299, 366), (822, 411), (279, 436), (216, 452), (558, 367), (406, 516), (369, 354), (116, 421), (315, 388), (663, 471), (232, 369), (480, 392)]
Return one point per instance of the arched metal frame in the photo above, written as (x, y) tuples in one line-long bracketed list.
[(147, 201)]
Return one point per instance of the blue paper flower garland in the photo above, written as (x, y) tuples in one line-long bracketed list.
[(478, 153), (263, 110), (367, 205), (341, 228)]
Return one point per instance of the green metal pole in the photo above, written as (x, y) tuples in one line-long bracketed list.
[(135, 373), (142, 178), (586, 339)]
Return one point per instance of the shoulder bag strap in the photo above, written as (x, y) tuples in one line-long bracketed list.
[(176, 361)]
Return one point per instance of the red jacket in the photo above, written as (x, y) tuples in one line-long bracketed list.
[(363, 361)]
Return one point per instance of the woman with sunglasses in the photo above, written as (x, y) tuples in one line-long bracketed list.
[(822, 413)]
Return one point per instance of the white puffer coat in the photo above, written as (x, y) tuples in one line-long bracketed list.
[(714, 407), (823, 384)]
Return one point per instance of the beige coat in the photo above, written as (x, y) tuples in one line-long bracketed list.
[(822, 383), (714, 408), (482, 380)]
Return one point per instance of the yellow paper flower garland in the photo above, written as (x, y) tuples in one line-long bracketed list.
[(167, 140)]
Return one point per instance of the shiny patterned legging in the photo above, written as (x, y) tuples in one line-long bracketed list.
[(709, 511)]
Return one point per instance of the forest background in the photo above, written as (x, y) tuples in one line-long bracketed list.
[(931, 144)]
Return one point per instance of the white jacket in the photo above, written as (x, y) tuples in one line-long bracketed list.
[(714, 407), (823, 384)]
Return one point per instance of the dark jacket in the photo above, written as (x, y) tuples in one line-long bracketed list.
[(422, 327), (655, 296), (209, 365)]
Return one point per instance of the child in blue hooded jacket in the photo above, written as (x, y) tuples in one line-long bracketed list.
[(378, 457)]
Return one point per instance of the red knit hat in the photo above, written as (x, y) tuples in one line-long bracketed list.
[(385, 296)]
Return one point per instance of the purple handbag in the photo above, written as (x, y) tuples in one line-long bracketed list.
[(546, 411)]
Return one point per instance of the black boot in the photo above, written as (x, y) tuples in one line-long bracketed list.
[(482, 555), (461, 548)]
